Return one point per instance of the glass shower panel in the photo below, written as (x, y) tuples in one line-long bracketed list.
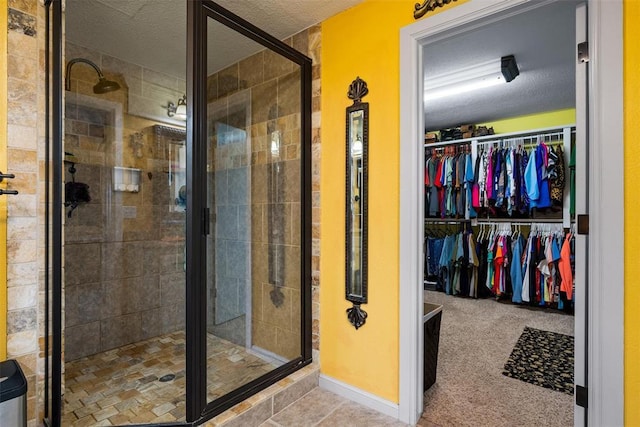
[(124, 231), (253, 177)]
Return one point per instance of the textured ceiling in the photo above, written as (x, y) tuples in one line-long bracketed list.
[(543, 42), (152, 33)]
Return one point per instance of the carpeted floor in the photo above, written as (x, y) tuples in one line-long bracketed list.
[(476, 339)]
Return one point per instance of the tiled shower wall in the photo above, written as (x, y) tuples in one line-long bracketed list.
[(124, 252), (25, 236), (25, 224), (274, 84)]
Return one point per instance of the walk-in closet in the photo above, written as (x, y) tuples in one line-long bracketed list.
[(500, 226)]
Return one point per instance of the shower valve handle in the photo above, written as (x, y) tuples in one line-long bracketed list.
[(6, 175), (8, 192)]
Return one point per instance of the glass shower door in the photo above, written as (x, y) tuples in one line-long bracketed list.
[(254, 256)]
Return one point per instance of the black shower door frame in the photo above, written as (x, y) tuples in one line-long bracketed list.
[(198, 410)]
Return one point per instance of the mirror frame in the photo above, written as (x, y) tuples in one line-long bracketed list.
[(357, 90)]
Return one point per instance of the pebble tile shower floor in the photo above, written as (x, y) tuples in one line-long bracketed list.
[(122, 386)]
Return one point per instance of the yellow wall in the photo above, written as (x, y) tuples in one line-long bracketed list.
[(534, 121), (363, 41), (632, 212), (3, 168)]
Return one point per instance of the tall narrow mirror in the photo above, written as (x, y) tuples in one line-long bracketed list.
[(356, 201)]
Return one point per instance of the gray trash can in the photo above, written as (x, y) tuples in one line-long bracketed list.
[(431, 321), (13, 395)]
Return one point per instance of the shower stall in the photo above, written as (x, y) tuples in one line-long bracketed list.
[(183, 285)]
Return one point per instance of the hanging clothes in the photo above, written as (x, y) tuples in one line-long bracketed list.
[(517, 277), (505, 179), (544, 199), (556, 176), (564, 265), (431, 191)]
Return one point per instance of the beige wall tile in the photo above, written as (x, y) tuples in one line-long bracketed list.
[(251, 70), (27, 6), (24, 137), (22, 102), (288, 343), (228, 80), (112, 64), (316, 119), (73, 50), (25, 183), (300, 42), (21, 274), (276, 316), (264, 336), (21, 250), (21, 45), (28, 363), (276, 65), (22, 343), (22, 297), (22, 67), (21, 320), (22, 22), (21, 228), (22, 161), (160, 79), (24, 205)]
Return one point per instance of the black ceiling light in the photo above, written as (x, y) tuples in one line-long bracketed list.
[(509, 68)]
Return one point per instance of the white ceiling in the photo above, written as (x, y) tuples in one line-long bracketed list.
[(543, 42), (133, 30)]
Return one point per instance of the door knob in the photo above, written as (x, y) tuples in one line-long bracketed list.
[(6, 175), (8, 192)]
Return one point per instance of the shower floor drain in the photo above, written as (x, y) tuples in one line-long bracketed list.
[(167, 378)]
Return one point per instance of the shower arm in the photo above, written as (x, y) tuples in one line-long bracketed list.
[(67, 77)]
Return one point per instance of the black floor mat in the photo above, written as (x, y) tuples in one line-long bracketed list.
[(542, 358)]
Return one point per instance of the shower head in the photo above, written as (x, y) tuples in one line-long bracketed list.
[(103, 85)]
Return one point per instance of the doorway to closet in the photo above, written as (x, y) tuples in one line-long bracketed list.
[(506, 334)]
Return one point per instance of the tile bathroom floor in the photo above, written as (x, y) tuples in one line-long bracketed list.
[(122, 386), (321, 408)]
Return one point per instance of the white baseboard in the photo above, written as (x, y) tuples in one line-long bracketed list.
[(359, 396)]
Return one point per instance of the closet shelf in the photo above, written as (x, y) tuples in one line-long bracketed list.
[(498, 137)]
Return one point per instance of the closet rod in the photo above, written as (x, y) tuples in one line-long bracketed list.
[(502, 135), (529, 138), (520, 220), (429, 221)]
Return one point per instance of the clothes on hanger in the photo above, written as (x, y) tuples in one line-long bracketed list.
[(503, 179), (512, 181), (535, 270), (449, 178)]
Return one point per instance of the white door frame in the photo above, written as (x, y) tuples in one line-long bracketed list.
[(606, 179)]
